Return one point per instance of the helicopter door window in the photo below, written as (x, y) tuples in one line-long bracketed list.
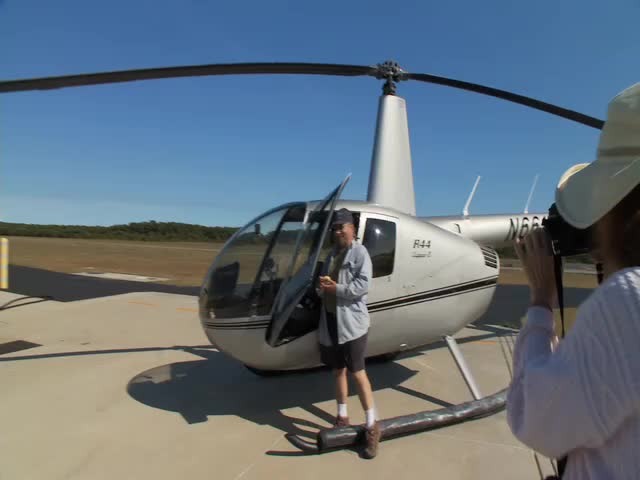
[(380, 240)]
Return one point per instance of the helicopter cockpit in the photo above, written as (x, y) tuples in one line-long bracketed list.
[(248, 273), (267, 269)]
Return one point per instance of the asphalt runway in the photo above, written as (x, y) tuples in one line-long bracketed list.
[(509, 304), (66, 287)]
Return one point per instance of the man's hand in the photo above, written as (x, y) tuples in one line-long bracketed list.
[(327, 285)]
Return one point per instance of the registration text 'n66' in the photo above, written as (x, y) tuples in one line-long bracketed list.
[(520, 226)]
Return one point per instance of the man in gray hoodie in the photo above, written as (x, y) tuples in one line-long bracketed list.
[(344, 321)]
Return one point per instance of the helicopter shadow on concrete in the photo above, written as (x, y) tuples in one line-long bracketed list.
[(219, 385)]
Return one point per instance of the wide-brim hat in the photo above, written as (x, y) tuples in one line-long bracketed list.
[(588, 191)]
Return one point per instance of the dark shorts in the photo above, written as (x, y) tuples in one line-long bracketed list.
[(349, 354)]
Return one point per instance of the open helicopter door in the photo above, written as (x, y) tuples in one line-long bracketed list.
[(294, 287)]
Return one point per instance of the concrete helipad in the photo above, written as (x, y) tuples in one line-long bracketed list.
[(127, 387)]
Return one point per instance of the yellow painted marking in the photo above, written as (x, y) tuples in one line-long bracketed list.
[(4, 263), (187, 309), (142, 303)]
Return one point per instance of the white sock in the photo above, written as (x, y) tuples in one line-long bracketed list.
[(371, 417), (342, 410)]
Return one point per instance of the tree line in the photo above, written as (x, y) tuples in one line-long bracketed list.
[(159, 231), (147, 231)]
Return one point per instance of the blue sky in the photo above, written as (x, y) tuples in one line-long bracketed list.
[(220, 150)]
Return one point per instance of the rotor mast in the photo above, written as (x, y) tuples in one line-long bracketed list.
[(391, 174)]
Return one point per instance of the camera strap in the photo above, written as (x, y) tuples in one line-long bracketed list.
[(557, 263)]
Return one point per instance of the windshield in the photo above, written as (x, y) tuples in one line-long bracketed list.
[(279, 247), (246, 276), (230, 281)]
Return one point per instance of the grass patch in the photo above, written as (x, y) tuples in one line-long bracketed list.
[(183, 263)]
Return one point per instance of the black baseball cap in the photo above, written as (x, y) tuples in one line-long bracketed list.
[(342, 216)]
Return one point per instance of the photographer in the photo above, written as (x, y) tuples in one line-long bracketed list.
[(581, 398)]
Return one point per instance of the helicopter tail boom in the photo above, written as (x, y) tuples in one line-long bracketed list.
[(495, 231)]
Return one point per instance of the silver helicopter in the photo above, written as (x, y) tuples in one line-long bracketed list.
[(432, 276)]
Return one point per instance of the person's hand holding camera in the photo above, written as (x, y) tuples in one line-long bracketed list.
[(536, 255)]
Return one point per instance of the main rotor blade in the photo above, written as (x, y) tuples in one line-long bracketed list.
[(49, 83), (388, 70), (512, 97)]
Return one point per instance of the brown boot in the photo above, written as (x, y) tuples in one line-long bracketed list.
[(341, 421), (372, 438)]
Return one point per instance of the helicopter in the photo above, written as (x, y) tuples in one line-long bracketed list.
[(432, 276)]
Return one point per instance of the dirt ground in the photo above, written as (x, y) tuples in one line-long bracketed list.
[(182, 263)]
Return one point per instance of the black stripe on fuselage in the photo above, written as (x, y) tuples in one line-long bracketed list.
[(238, 325), (433, 294), (435, 290), (428, 299), (383, 305)]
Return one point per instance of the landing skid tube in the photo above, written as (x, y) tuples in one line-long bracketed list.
[(343, 437)]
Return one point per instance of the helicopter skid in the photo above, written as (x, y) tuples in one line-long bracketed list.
[(344, 437)]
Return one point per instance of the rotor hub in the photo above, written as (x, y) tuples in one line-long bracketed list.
[(392, 73)]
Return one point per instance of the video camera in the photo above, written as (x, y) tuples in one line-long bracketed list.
[(565, 239)]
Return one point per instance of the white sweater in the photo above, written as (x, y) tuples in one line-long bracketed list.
[(583, 398)]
